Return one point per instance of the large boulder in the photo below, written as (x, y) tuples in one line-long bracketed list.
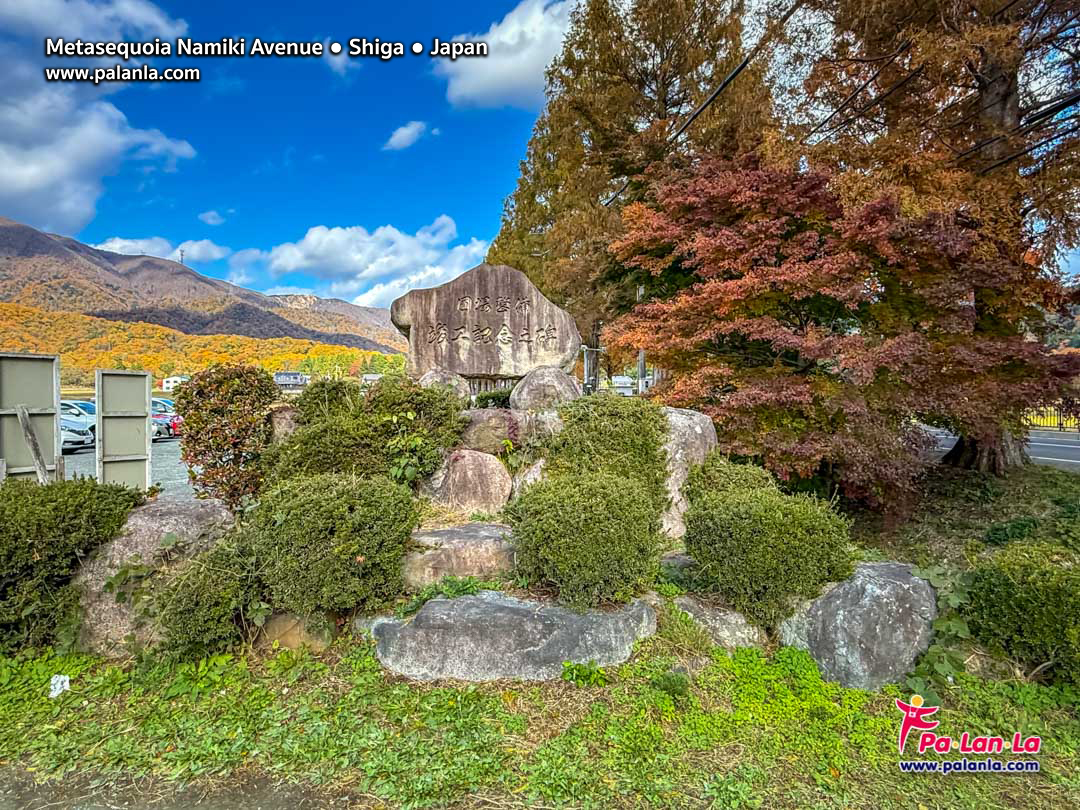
[(491, 636), (469, 481), (726, 628), (474, 549), (543, 389), (690, 437), (488, 428), (284, 421), (447, 379), (159, 534), (529, 476), (293, 632), (868, 630)]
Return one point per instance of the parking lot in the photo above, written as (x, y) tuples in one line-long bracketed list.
[(166, 468)]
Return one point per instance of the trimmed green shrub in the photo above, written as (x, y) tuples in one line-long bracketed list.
[(332, 542), (437, 410), (226, 429), (761, 550), (340, 444), (44, 532), (396, 428), (720, 476), (327, 399), (1025, 602), (495, 398), (203, 606), (595, 537), (623, 436)]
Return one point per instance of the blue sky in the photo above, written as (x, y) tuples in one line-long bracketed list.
[(357, 178), (349, 177)]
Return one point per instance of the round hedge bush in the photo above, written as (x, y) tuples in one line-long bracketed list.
[(226, 429), (44, 532), (340, 444), (328, 543), (200, 608), (327, 399), (1025, 602), (761, 550), (595, 537), (623, 436), (718, 475)]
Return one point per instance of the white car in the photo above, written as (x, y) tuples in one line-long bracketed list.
[(74, 437), (80, 412)]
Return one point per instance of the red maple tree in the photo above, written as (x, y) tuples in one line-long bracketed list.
[(820, 336)]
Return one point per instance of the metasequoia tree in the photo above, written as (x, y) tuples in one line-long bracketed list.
[(954, 106), (627, 75), (817, 332)]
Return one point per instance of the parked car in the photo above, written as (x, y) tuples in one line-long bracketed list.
[(170, 405), (73, 436), (168, 420), (80, 412), (160, 427)]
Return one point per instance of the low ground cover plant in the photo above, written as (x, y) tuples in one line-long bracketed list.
[(762, 550), (594, 537), (44, 532)]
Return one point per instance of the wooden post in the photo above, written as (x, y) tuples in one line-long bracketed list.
[(32, 443), (3, 470)]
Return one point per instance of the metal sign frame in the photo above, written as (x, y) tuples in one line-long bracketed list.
[(108, 417), (44, 406)]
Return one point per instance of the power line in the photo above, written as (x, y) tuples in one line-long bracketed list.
[(765, 37), (1031, 148)]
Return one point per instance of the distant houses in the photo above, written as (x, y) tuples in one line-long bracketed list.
[(172, 383), (291, 380)]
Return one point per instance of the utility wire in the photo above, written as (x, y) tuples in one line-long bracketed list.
[(765, 37), (1031, 148)]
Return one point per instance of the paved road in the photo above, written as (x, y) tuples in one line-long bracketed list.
[(165, 467), (1050, 447)]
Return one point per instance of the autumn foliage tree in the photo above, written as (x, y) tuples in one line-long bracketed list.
[(817, 333)]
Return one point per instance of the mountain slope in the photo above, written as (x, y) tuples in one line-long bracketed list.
[(52, 272), (85, 343)]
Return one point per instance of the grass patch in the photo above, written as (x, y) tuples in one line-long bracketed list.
[(735, 731), (962, 512)]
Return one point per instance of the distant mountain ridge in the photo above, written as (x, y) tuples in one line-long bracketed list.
[(58, 273)]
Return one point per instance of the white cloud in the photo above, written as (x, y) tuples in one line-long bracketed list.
[(288, 290), (341, 64), (376, 266), (405, 136), (211, 217), (57, 141), (520, 46), (150, 246), (202, 250)]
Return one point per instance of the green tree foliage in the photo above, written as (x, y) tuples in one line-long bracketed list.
[(226, 429), (627, 75), (44, 532), (761, 550), (595, 537)]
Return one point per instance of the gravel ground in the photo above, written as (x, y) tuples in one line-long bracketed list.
[(166, 466)]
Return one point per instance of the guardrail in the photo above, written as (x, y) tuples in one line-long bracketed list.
[(1053, 418)]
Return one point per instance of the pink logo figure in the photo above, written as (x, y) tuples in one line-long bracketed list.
[(915, 715)]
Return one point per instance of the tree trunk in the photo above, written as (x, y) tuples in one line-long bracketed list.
[(996, 455)]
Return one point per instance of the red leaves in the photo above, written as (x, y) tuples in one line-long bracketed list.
[(817, 337)]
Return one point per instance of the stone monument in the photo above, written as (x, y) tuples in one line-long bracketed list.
[(491, 325)]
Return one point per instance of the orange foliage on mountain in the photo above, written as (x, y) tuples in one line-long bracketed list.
[(85, 343)]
